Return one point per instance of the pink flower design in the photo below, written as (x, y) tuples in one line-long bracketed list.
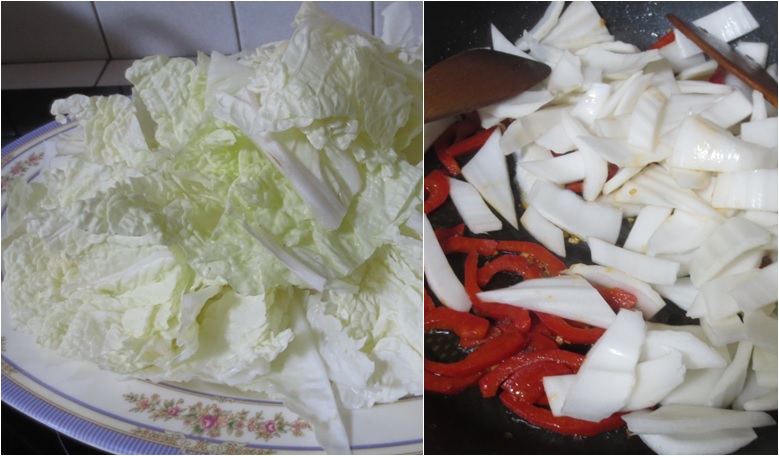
[(144, 404), (207, 421), (252, 426), (270, 426), (174, 411)]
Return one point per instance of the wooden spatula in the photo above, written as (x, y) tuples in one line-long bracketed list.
[(743, 67), (477, 78)]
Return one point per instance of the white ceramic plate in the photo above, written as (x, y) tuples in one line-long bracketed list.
[(129, 416)]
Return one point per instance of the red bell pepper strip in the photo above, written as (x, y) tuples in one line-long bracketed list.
[(471, 144), (617, 298), (442, 234), (718, 77), (664, 40), (465, 244), (542, 417), (497, 329), (517, 264), (491, 381), (568, 332), (436, 190), (429, 304), (486, 355), (553, 265), (526, 383), (449, 385), (518, 316), (540, 339), (465, 325)]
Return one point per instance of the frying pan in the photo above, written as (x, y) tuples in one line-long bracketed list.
[(468, 423)]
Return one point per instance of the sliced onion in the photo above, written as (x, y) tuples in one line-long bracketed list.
[(648, 221), (439, 274), (763, 132), (544, 25), (643, 267), (755, 51), (605, 379), (571, 213), (544, 231), (474, 211), (761, 329), (556, 388), (578, 26), (569, 297), (758, 290), (488, 172), (714, 442), (695, 353), (732, 381), (725, 244), (725, 330), (560, 170), (682, 293), (655, 378), (648, 302), (691, 419), (681, 232), (501, 44), (518, 106), (730, 110)]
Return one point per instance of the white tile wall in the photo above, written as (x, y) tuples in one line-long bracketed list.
[(109, 35)]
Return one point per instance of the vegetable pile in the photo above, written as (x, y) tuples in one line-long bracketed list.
[(663, 168), (252, 221)]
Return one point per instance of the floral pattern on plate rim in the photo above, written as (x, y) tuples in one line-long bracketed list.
[(211, 420)]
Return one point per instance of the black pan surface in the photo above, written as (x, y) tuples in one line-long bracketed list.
[(468, 423)]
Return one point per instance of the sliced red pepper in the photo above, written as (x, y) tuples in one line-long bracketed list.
[(465, 244), (491, 381), (465, 325), (518, 316), (542, 417), (527, 382), (442, 234), (576, 187), (497, 329), (471, 144), (486, 355), (568, 332), (465, 128), (539, 340), (450, 165), (449, 385), (664, 40), (553, 265), (436, 190), (429, 304), (718, 77), (516, 264), (617, 298)]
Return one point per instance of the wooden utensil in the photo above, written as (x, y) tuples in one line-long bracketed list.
[(743, 67), (477, 78)]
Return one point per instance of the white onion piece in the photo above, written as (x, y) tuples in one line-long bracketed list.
[(616, 151), (607, 374), (560, 170), (556, 140), (566, 75), (648, 302), (681, 232), (677, 58), (762, 132), (439, 274), (695, 388), (569, 297), (730, 110), (648, 221), (715, 442), (522, 132), (544, 25), (646, 118), (725, 244), (591, 105), (616, 65), (623, 175), (578, 26), (643, 267), (725, 330), (680, 106), (655, 378), (701, 71), (695, 353), (525, 179), (685, 46), (761, 329), (707, 147), (556, 388), (571, 213), (755, 397), (691, 178), (732, 381), (682, 293), (613, 127), (501, 44), (515, 107), (758, 290), (488, 172), (755, 51), (596, 171), (728, 23), (703, 87), (716, 302), (471, 206), (655, 186), (691, 419), (764, 365), (759, 108), (754, 189), (544, 231)]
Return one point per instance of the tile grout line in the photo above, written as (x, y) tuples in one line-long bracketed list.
[(235, 25)]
